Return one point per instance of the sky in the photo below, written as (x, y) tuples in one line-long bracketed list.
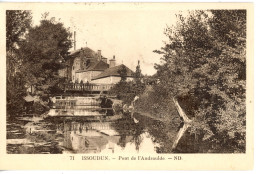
[(130, 35)]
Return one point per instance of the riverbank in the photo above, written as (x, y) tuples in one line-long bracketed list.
[(158, 106)]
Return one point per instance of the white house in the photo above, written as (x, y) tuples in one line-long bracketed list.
[(112, 76)]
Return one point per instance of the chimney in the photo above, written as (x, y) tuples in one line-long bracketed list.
[(74, 40), (99, 55), (112, 62)]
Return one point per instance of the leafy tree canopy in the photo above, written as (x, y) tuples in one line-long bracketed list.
[(138, 73), (17, 24), (45, 49), (205, 59)]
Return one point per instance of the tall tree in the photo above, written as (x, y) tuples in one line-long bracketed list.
[(18, 22), (205, 60), (45, 49), (138, 73), (123, 73)]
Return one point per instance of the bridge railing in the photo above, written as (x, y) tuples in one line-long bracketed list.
[(87, 87)]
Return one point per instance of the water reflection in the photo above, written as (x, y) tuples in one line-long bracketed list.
[(88, 137), (130, 134)]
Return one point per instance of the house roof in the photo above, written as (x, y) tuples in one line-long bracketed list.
[(99, 66), (87, 52), (95, 66), (114, 72)]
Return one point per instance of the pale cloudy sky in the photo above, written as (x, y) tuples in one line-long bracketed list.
[(130, 35)]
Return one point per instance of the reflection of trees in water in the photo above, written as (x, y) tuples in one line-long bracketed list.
[(161, 133), (191, 143), (127, 128), (137, 138), (194, 143), (166, 133), (43, 136)]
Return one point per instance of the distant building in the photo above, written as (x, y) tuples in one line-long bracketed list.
[(86, 64), (89, 66), (112, 76)]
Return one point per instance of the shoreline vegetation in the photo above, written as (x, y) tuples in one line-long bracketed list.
[(204, 74), (156, 106)]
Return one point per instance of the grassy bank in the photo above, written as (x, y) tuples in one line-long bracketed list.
[(157, 105)]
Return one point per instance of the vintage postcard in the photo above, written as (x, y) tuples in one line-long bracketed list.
[(126, 86)]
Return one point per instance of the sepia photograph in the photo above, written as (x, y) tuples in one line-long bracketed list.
[(140, 80)]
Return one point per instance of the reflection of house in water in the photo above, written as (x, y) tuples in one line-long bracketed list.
[(103, 137), (90, 137)]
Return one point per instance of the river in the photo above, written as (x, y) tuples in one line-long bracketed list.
[(130, 134)]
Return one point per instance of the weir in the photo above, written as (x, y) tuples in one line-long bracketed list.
[(94, 107)]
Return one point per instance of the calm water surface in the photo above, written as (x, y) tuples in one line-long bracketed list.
[(137, 134)]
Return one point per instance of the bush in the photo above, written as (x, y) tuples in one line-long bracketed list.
[(38, 108), (126, 91)]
